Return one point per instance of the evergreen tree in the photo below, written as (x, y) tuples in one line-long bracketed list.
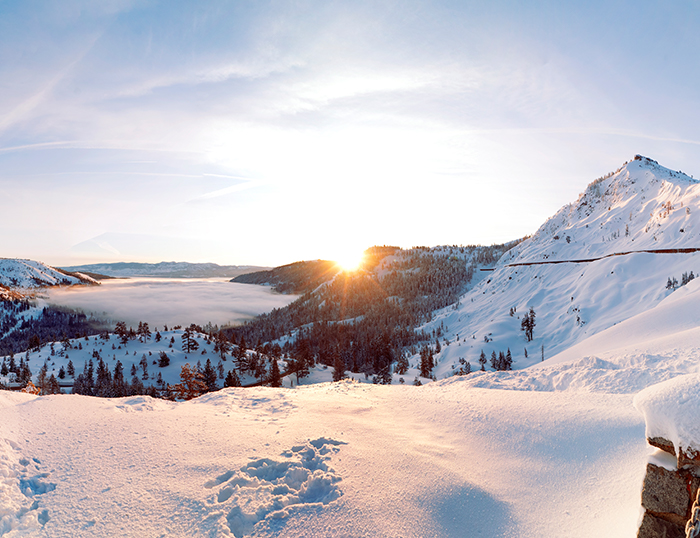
[(191, 384), (189, 343), (509, 360), (103, 381), (4, 370), (401, 364), (494, 360), (426, 362), (144, 366), (209, 377), (339, 368), (482, 360), (528, 324), (275, 378), (501, 365), (70, 370), (232, 379), (52, 386), (42, 379), (120, 386), (163, 359), (136, 387), (221, 345)]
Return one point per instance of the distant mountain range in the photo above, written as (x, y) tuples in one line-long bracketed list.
[(164, 269)]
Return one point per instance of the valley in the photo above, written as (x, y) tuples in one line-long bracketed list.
[(596, 306)]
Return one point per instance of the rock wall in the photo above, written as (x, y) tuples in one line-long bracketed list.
[(668, 493)]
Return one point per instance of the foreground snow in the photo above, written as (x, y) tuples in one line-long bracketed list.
[(342, 459)]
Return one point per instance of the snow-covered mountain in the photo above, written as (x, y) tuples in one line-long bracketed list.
[(166, 269), (29, 274), (600, 260)]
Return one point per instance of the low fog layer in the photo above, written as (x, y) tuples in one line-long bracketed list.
[(172, 301)]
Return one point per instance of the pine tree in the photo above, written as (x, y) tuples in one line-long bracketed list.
[(426, 362), (509, 361), (221, 345), (119, 385), (494, 360), (528, 324), (52, 386), (191, 384), (482, 360), (42, 379), (232, 379), (103, 381), (339, 368), (70, 369), (163, 359), (189, 343), (209, 377), (401, 364), (275, 379)]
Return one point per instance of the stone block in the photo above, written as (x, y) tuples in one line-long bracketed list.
[(654, 527), (666, 493), (663, 444)]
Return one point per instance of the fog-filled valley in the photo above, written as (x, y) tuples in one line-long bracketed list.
[(171, 301)]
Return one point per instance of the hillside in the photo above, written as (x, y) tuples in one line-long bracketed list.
[(165, 269), (30, 274), (365, 320), (295, 278), (647, 213)]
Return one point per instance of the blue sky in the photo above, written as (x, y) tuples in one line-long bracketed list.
[(254, 132)]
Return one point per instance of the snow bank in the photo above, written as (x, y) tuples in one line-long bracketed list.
[(672, 411)]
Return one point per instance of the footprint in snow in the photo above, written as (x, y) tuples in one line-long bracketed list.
[(267, 488)]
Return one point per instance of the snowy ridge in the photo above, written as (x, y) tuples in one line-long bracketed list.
[(643, 206), (30, 274)]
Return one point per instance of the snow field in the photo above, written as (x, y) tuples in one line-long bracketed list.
[(342, 459)]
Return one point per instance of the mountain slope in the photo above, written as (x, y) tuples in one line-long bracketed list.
[(296, 278), (641, 207), (30, 274)]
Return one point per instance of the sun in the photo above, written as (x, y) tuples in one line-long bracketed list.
[(350, 262)]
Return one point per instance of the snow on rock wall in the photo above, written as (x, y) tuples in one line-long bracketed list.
[(671, 411)]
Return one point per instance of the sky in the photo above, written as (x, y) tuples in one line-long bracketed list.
[(266, 132)]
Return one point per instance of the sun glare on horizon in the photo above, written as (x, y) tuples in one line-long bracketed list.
[(351, 261)]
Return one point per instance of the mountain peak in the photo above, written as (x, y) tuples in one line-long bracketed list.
[(640, 206)]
